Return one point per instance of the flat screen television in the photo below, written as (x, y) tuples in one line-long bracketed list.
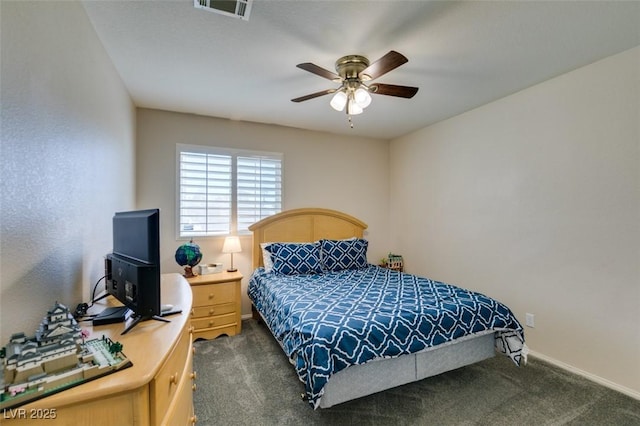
[(133, 268)]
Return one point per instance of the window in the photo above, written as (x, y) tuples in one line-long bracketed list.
[(223, 191)]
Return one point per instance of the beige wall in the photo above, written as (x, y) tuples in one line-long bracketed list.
[(535, 200), (320, 170), (67, 154)]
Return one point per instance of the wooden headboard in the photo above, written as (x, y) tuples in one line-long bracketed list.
[(303, 225)]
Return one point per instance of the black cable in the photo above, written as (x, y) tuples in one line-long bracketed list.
[(93, 293), (82, 308)]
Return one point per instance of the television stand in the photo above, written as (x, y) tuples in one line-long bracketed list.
[(137, 318)]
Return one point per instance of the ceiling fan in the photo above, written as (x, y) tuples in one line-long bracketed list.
[(353, 73)]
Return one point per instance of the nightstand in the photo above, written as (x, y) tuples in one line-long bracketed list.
[(216, 305)]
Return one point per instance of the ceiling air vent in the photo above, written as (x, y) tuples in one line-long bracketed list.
[(234, 8)]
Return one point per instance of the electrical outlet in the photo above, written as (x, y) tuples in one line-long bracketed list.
[(530, 320)]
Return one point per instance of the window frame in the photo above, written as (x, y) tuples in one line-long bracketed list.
[(234, 154)]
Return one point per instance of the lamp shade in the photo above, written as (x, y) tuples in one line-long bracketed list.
[(231, 245), (338, 101), (353, 108), (362, 97)]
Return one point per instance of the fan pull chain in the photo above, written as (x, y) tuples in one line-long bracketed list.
[(350, 122)]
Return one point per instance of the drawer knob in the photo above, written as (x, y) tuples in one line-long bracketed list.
[(173, 379), (210, 295), (210, 323), (211, 311), (194, 420), (193, 375), (193, 388)]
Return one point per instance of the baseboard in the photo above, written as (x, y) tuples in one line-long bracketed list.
[(246, 316), (604, 382)]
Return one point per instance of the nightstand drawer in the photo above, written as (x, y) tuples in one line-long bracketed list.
[(213, 294), (213, 322), (209, 311)]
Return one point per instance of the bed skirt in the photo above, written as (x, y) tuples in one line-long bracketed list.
[(382, 374)]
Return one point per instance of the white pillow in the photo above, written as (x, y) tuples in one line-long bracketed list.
[(266, 257)]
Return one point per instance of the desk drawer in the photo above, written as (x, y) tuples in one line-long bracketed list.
[(169, 378), (180, 412), (214, 294)]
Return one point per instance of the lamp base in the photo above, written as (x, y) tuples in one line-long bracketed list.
[(232, 270)]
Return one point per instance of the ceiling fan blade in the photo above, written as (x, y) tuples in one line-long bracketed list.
[(313, 95), (393, 90), (315, 69), (388, 62)]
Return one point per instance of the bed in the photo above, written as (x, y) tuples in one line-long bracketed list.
[(352, 329)]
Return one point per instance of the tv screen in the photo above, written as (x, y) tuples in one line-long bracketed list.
[(133, 269), (136, 235)]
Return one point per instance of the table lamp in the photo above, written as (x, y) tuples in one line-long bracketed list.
[(231, 245)]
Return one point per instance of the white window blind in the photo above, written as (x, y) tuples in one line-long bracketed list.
[(221, 192), (259, 192)]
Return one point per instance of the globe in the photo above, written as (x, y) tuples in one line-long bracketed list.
[(188, 255)]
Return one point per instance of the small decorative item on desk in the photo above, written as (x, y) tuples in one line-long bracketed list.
[(55, 358), (188, 255)]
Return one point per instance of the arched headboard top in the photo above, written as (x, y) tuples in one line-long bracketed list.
[(303, 225)]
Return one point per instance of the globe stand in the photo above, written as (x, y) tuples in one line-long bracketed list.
[(188, 272)]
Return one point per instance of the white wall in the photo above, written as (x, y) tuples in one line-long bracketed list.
[(67, 156), (535, 200), (320, 170)]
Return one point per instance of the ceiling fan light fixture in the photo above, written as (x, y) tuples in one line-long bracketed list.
[(339, 101), (352, 71), (362, 97), (353, 108)]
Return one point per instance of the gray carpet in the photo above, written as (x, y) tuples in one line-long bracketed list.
[(247, 380)]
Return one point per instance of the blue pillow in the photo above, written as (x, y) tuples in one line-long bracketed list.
[(295, 258), (344, 254)]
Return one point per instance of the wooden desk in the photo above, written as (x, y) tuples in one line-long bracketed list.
[(156, 390)]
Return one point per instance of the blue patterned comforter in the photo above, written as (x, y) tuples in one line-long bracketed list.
[(327, 322)]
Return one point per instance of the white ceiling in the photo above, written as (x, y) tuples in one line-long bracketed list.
[(461, 54)]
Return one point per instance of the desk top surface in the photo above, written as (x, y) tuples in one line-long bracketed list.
[(147, 345)]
